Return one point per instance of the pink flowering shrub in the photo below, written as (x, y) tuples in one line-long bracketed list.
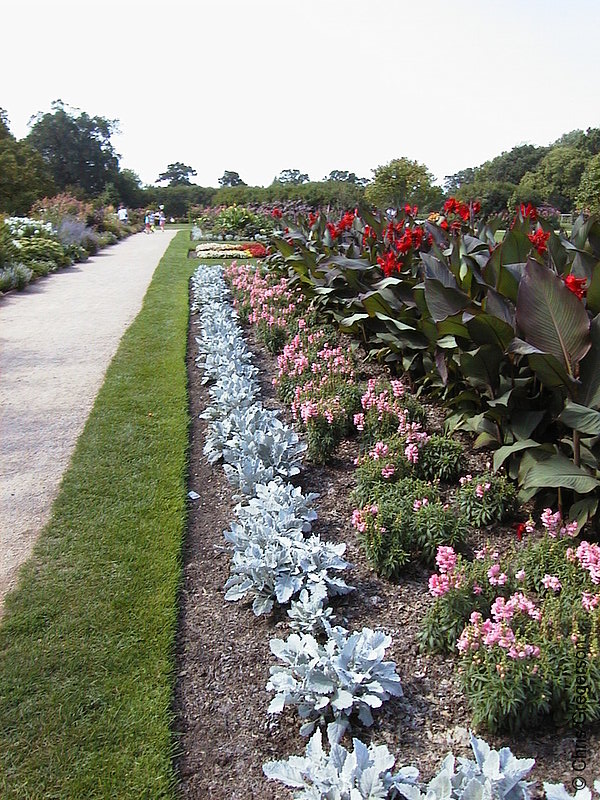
[(388, 409), (264, 300), (486, 498), (524, 625), (411, 523)]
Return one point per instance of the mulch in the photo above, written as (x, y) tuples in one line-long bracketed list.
[(221, 724)]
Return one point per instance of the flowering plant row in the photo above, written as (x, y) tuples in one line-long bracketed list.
[(276, 557), (317, 376), (506, 331), (230, 250)]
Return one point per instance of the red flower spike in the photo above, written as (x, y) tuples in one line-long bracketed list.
[(539, 240), (576, 285)]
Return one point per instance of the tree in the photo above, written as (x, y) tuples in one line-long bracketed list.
[(231, 178), (76, 148), (293, 176), (177, 174), (556, 179), (588, 193), (342, 176), (403, 181), (452, 183), (510, 166), (23, 175), (129, 188)]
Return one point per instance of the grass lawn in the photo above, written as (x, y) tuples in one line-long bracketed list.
[(87, 640)]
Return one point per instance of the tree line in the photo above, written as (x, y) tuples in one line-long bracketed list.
[(68, 150)]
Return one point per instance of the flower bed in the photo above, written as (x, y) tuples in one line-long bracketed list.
[(296, 364)]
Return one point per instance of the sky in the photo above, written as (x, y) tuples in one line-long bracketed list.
[(259, 86)]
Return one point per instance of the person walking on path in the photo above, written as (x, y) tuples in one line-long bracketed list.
[(57, 338)]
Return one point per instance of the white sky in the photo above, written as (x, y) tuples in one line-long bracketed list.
[(258, 86)]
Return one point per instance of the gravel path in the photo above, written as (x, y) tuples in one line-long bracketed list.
[(57, 339)]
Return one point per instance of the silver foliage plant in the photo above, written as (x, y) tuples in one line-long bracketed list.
[(366, 773), (274, 556), (346, 675)]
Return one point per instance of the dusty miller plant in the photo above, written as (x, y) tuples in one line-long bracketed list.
[(332, 681)]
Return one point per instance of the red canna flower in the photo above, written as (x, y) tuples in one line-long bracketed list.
[(276, 213), (528, 211), (444, 225), (476, 206), (312, 218), (576, 285), (389, 263), (539, 240), (520, 530)]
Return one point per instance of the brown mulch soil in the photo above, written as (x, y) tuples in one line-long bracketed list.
[(223, 655)]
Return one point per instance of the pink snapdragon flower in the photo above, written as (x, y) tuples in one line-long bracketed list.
[(552, 582)]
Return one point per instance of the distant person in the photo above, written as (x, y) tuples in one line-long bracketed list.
[(122, 214), (161, 220), (152, 220), (148, 223)]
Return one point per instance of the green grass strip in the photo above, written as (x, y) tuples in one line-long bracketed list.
[(87, 641)]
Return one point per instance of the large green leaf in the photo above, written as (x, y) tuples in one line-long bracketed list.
[(589, 369), (488, 329), (503, 453), (551, 317), (593, 293), (480, 367), (444, 301), (558, 471), (581, 418)]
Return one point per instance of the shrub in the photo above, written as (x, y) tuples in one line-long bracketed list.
[(405, 522), (347, 675), (440, 457), (530, 628), (74, 233), (486, 498)]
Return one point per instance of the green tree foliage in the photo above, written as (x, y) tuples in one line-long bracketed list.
[(231, 178), (23, 175), (76, 148), (129, 189), (588, 193), (293, 176), (403, 181), (177, 174), (509, 167), (494, 196), (343, 176), (556, 179), (465, 177)]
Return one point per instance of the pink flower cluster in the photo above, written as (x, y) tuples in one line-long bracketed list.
[(271, 303), (360, 517), (504, 610), (553, 524), (589, 558), (489, 634), (449, 577), (326, 407), (481, 488), (297, 360), (552, 582), (382, 402), (590, 601)]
